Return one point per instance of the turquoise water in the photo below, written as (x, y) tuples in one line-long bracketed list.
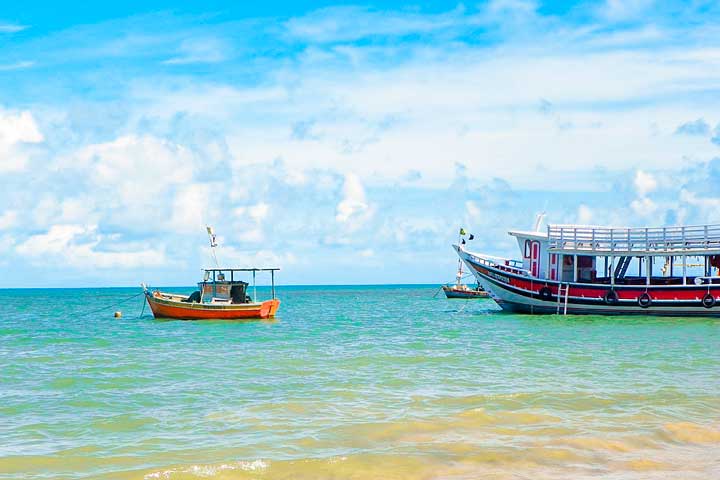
[(352, 382)]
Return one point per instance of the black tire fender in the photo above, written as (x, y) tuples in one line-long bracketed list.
[(708, 301), (545, 294), (610, 297), (644, 300)]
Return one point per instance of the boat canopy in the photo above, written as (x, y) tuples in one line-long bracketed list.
[(695, 240), (221, 284)]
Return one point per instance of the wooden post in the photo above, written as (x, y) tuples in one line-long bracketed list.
[(575, 268), (672, 260), (272, 283), (561, 267), (606, 272)]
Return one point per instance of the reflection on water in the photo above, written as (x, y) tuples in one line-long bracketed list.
[(354, 382)]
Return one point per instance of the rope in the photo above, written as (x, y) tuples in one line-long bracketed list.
[(143, 309), (97, 310)]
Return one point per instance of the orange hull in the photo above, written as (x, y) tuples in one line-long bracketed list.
[(165, 308)]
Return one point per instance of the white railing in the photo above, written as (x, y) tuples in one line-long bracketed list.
[(512, 266), (697, 238)]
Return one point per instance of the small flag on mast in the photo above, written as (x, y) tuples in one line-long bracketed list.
[(462, 231), (471, 236), (211, 233)]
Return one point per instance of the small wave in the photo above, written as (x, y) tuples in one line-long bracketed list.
[(209, 471), (686, 432), (593, 443)]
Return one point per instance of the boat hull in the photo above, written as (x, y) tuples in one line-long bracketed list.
[(172, 308), (467, 294), (524, 294)]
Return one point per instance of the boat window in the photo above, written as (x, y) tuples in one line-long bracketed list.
[(527, 248)]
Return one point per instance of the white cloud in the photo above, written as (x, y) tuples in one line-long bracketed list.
[(248, 226), (16, 130), (8, 219), (584, 215), (644, 207), (6, 244), (644, 183), (353, 210), (16, 66), (141, 182), (251, 258), (194, 206), (625, 9), (347, 23), (259, 212), (472, 209), (77, 246), (11, 28), (178, 150), (199, 50)]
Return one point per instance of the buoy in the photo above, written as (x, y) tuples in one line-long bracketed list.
[(118, 314)]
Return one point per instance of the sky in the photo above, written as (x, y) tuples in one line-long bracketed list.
[(347, 142)]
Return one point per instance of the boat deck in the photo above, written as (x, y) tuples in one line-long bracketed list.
[(653, 241)]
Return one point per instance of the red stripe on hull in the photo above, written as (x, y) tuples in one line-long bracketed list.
[(624, 292), (522, 294)]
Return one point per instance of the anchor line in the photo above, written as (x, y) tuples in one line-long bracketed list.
[(97, 310)]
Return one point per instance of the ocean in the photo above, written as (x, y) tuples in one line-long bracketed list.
[(356, 382)]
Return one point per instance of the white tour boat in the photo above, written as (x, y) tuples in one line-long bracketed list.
[(606, 270)]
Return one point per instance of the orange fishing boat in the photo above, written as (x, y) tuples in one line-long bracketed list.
[(221, 295), (216, 298)]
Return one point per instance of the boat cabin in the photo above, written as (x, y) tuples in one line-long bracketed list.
[(223, 285), (621, 256)]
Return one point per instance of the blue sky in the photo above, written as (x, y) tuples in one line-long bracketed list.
[(344, 142)]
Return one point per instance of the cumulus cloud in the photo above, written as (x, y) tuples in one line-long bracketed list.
[(353, 210), (716, 135), (644, 183), (145, 182), (344, 136), (643, 207), (248, 225), (696, 127), (17, 129), (80, 246)]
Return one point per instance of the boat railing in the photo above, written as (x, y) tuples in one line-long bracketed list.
[(698, 239), (707, 280), (508, 265)]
